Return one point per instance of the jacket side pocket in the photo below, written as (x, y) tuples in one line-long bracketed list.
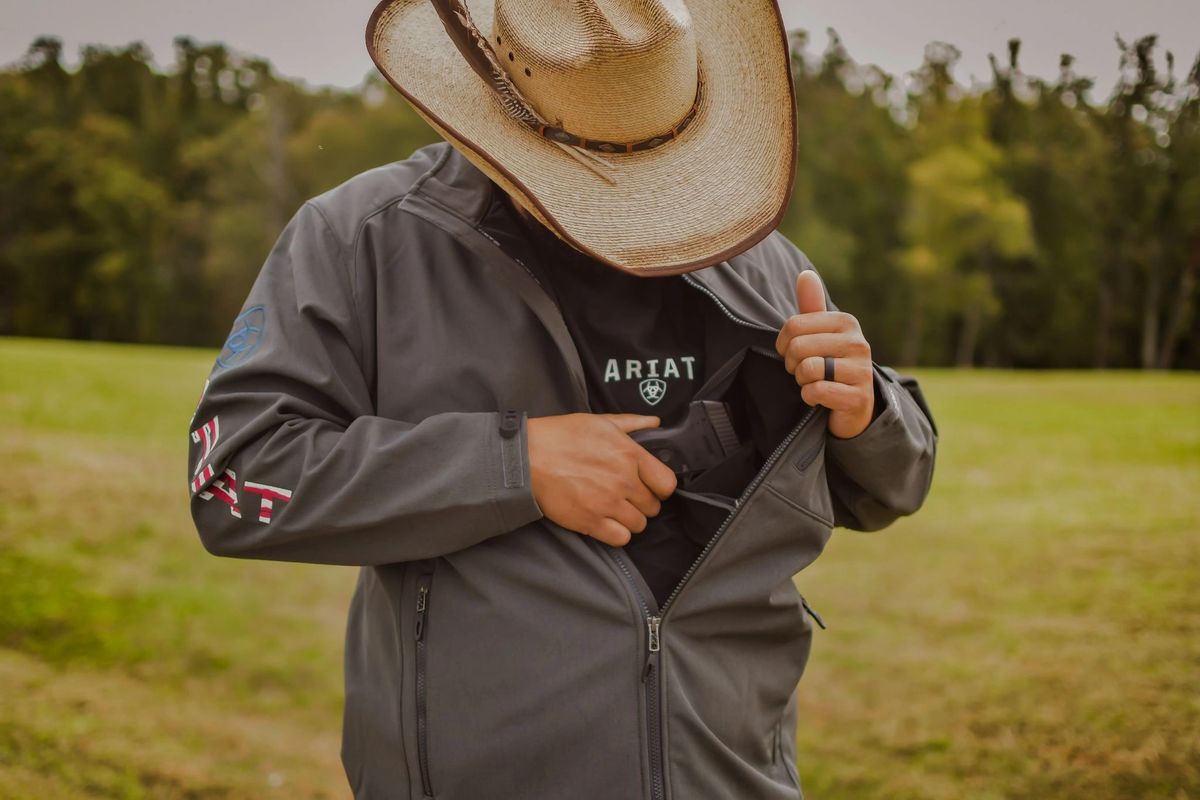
[(421, 634), (812, 612), (788, 759)]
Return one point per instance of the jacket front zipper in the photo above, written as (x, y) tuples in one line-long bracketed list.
[(424, 582), (651, 672), (766, 467), (655, 621), (650, 679)]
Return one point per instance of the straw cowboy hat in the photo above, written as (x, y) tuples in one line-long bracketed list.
[(656, 136)]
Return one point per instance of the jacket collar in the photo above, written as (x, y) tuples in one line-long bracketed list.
[(457, 187)]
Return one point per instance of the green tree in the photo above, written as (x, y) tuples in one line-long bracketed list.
[(1182, 222), (851, 171), (1057, 159), (1019, 224), (961, 218)]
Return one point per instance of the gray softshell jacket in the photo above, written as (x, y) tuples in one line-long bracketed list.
[(356, 416)]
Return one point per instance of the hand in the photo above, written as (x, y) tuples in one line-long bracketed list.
[(814, 333), (590, 476)]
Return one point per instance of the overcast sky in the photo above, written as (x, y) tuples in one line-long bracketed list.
[(321, 41)]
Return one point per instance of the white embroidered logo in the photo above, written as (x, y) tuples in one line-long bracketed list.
[(653, 390), (652, 375)]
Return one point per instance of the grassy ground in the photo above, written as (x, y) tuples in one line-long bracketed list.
[(1033, 633)]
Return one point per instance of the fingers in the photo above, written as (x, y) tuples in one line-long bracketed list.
[(625, 520), (838, 345), (611, 532), (810, 294), (629, 517), (655, 481), (657, 476), (628, 423), (834, 396), (845, 370), (644, 500), (817, 322)]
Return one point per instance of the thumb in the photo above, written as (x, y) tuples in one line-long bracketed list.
[(628, 423), (810, 293)]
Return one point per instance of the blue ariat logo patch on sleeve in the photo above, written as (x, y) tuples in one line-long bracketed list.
[(248, 330)]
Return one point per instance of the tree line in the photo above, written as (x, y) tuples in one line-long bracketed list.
[(1018, 224)]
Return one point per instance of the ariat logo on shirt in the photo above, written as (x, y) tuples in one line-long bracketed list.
[(652, 374)]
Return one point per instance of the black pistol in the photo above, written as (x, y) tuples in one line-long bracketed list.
[(704, 439)]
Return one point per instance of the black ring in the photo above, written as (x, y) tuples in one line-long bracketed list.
[(828, 368)]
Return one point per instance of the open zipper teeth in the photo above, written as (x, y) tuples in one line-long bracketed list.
[(738, 505), (658, 788), (766, 467), (632, 582), (690, 281), (758, 478)]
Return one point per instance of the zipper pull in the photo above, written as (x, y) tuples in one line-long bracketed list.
[(422, 602), (652, 646), (813, 613), (652, 629)]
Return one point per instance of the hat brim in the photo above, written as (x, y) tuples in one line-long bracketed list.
[(718, 189)]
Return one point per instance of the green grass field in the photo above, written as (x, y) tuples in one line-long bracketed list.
[(1034, 632)]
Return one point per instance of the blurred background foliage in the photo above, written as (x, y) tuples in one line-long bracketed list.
[(1022, 223), (1033, 632)]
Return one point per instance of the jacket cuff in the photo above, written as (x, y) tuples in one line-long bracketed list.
[(886, 423), (885, 472), (513, 494)]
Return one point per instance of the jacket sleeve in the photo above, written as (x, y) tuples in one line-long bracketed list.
[(289, 462), (885, 472)]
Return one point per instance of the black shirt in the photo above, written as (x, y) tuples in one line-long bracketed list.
[(641, 340), (642, 343)]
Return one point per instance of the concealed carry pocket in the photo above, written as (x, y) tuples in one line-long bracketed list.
[(703, 513), (767, 414), (421, 633), (765, 406)]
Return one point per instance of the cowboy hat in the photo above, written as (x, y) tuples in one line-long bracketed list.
[(654, 136)]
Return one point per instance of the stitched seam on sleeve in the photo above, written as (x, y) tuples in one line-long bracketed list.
[(353, 270)]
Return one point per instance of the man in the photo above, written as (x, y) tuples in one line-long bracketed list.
[(451, 372)]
